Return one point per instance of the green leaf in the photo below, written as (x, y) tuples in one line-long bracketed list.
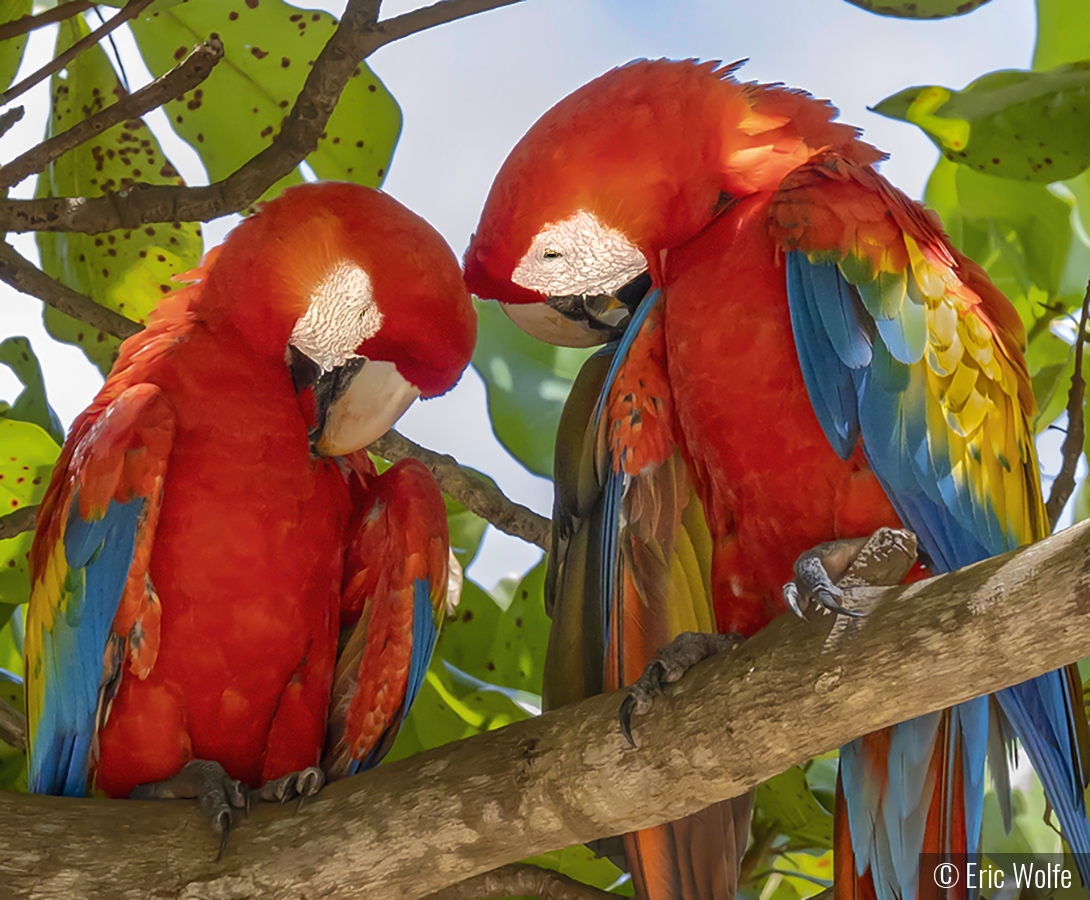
[(503, 647), (447, 711), (918, 9), (27, 455), (1027, 126), (11, 51), (31, 405), (580, 863), (527, 383), (127, 271), (268, 50), (788, 805), (466, 530), (1063, 33)]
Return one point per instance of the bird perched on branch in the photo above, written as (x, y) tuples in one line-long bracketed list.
[(201, 544), (798, 355)]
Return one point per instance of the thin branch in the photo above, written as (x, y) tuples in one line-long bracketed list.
[(195, 69), (485, 499), (357, 36), (1064, 483), (12, 725), (520, 880), (26, 277), (130, 11), (408, 829), (59, 13), (9, 118), (17, 522)]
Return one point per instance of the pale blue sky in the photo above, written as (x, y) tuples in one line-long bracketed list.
[(469, 90)]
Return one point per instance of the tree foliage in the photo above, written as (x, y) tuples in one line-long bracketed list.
[(1010, 187)]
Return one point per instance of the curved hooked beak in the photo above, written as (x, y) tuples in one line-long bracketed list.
[(580, 320), (355, 403)]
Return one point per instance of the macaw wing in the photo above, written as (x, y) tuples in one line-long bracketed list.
[(393, 600), (629, 571), (906, 346), (92, 607)]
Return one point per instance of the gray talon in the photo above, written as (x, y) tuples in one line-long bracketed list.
[(671, 663), (302, 784)]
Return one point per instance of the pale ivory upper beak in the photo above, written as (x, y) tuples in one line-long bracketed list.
[(373, 401), (541, 321)]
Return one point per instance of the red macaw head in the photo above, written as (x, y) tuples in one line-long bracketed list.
[(635, 162), (362, 298)]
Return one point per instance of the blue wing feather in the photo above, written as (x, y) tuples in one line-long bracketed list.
[(99, 554), (955, 529)]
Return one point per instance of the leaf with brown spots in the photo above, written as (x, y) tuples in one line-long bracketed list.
[(121, 270), (268, 50), (11, 52), (27, 455)]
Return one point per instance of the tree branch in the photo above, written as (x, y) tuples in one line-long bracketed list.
[(195, 69), (26, 277), (485, 499), (521, 881), (1064, 483), (795, 690), (17, 522), (131, 9), (12, 725), (59, 13), (357, 36)]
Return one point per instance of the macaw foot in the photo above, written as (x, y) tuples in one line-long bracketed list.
[(302, 784), (672, 661), (883, 558), (207, 781)]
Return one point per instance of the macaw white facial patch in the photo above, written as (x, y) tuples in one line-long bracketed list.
[(341, 316), (578, 256)]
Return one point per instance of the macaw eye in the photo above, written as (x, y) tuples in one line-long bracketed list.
[(551, 254)]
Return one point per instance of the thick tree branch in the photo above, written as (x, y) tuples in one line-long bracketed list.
[(12, 725), (131, 9), (193, 70), (59, 13), (1064, 482), (357, 36), (408, 829), (521, 881), (17, 522), (26, 277), (485, 499)]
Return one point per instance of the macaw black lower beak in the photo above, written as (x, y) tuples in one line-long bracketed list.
[(354, 404), (581, 320)]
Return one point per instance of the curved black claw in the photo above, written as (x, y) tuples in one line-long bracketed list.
[(302, 784), (215, 790), (671, 663)]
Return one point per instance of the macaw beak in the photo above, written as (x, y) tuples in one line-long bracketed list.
[(581, 320), (355, 403)]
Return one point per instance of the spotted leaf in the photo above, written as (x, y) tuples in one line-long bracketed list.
[(127, 271), (269, 47), (27, 455), (11, 51)]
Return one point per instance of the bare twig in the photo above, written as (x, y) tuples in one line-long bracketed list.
[(12, 725), (520, 880), (793, 691), (24, 276), (58, 13), (130, 11), (17, 522), (358, 35), (9, 117), (1064, 483), (196, 67), (485, 499)]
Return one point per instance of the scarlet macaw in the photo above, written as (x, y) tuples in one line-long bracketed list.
[(198, 547), (811, 360)]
